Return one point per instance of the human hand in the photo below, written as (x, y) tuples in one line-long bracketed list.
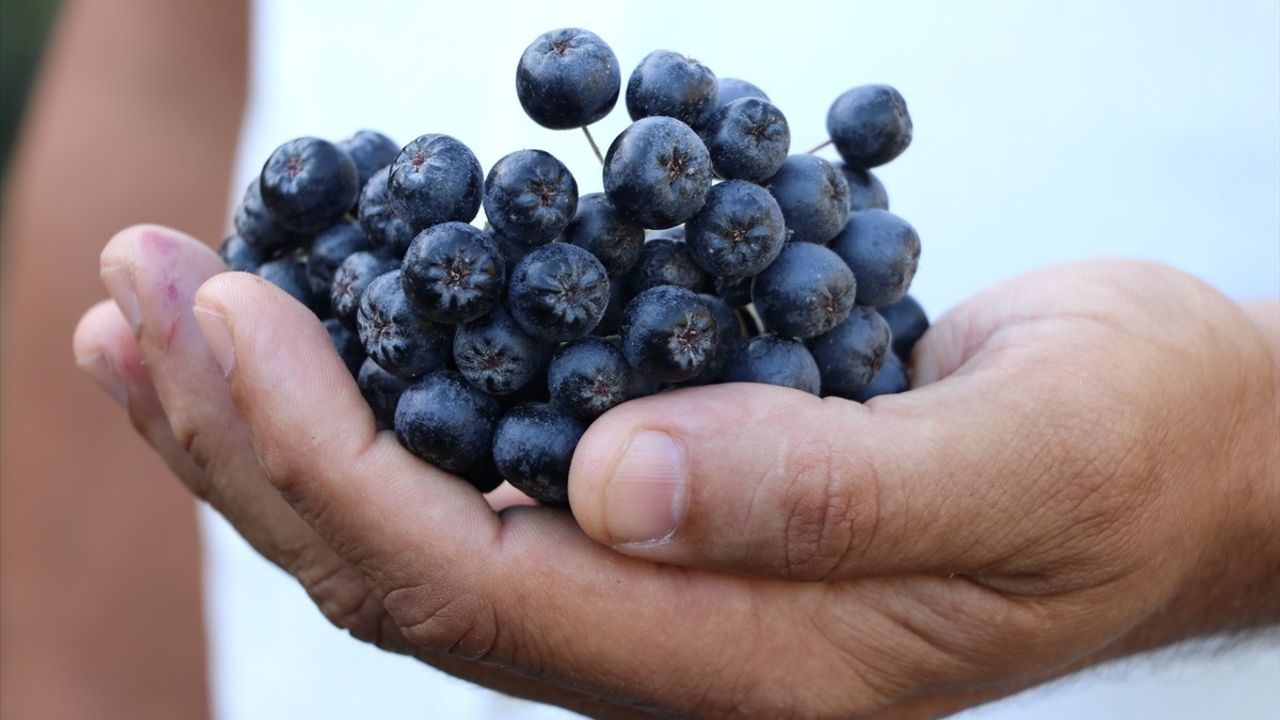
[(1083, 474)]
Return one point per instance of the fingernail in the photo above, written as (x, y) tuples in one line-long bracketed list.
[(119, 286), (99, 367), (218, 336), (646, 495)]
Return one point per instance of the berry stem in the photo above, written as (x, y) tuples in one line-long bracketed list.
[(587, 131), (819, 146)]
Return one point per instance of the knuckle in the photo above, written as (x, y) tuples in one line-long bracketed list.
[(339, 592), (456, 623), (828, 494)]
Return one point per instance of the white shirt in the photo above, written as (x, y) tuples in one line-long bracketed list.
[(1044, 132)]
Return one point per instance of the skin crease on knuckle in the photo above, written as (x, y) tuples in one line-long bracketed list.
[(829, 494)]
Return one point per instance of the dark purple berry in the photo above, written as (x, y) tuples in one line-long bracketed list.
[(600, 229), (883, 251), (453, 273), (747, 139), (382, 391), (738, 232), (657, 172), (672, 85), (869, 125), (668, 334), (290, 275), (389, 232), (851, 354), (352, 278), (907, 322), (865, 189), (347, 344), (533, 447), (446, 421), (666, 261), (397, 338), (588, 376), (496, 355), (814, 198), (260, 231), (435, 179), (239, 255), (805, 292), (529, 197), (891, 379), (558, 292), (772, 360), (370, 151), (567, 78), (328, 251), (308, 184)]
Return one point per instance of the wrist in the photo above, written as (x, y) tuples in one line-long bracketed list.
[(1234, 584)]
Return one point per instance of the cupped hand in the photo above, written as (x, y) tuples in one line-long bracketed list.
[(1081, 472)]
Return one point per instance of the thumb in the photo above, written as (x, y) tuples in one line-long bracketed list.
[(770, 481)]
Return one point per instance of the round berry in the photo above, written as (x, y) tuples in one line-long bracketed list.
[(445, 421), (869, 125), (533, 447), (308, 184), (600, 229), (851, 354), (907, 322), (290, 275), (668, 334), (259, 229), (396, 337), (347, 344), (730, 89), (352, 278), (496, 355), (814, 198), (658, 172), (738, 232), (771, 360), (529, 197), (805, 292), (728, 339), (666, 261), (435, 179), (672, 85), (891, 380), (328, 251), (370, 151), (883, 251), (588, 376), (748, 139), (453, 273), (865, 189), (382, 391), (558, 292), (386, 229), (567, 78), (239, 255)]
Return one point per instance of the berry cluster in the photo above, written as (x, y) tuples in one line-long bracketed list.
[(714, 254)]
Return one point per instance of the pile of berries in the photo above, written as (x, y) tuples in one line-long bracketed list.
[(713, 255)]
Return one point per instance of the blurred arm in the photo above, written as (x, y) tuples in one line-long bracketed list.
[(135, 118)]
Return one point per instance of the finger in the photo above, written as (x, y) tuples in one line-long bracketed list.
[(107, 352), (516, 590), (764, 480)]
